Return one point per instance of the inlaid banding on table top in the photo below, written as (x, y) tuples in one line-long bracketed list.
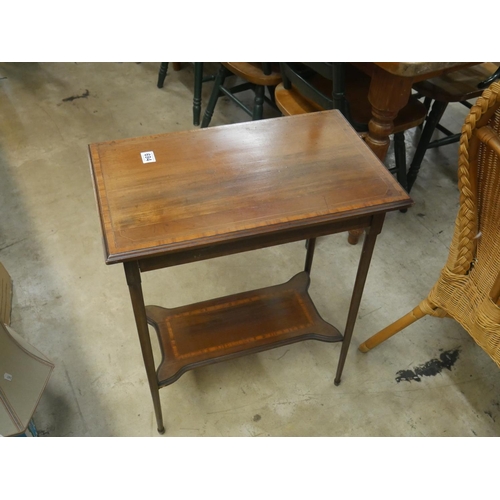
[(166, 220), (226, 326), (291, 296), (221, 222), (236, 178)]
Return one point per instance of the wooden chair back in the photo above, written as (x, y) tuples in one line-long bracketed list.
[(322, 83)]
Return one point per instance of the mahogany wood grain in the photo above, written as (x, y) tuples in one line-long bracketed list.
[(232, 182), (254, 242), (227, 327), (229, 189)]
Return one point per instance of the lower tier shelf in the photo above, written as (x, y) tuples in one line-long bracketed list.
[(227, 327)]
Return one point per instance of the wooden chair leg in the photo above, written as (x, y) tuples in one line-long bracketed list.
[(392, 329), (258, 108), (162, 74), (427, 103), (214, 96), (400, 156), (177, 66), (433, 119), (198, 82)]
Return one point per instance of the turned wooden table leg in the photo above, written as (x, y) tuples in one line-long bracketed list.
[(133, 275), (364, 264), (388, 94)]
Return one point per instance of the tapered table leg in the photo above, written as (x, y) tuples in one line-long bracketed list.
[(310, 244), (133, 276), (364, 265)]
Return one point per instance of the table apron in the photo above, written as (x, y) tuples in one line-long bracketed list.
[(252, 243)]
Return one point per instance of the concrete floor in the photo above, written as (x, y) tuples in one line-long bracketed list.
[(76, 310)]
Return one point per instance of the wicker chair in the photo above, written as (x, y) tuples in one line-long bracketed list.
[(468, 289)]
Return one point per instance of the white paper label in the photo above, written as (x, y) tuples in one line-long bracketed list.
[(148, 157), (7, 376)]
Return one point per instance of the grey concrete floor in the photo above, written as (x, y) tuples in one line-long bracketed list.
[(76, 310)]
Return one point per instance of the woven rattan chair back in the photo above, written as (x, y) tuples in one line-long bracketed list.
[(468, 288)]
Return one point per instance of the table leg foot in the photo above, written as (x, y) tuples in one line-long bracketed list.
[(354, 235), (161, 431), (336, 382)]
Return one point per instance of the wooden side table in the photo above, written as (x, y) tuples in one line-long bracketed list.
[(175, 198)]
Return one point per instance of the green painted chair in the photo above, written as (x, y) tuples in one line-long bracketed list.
[(199, 80), (257, 77)]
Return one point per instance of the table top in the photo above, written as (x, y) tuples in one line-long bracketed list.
[(416, 69), (226, 183)]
